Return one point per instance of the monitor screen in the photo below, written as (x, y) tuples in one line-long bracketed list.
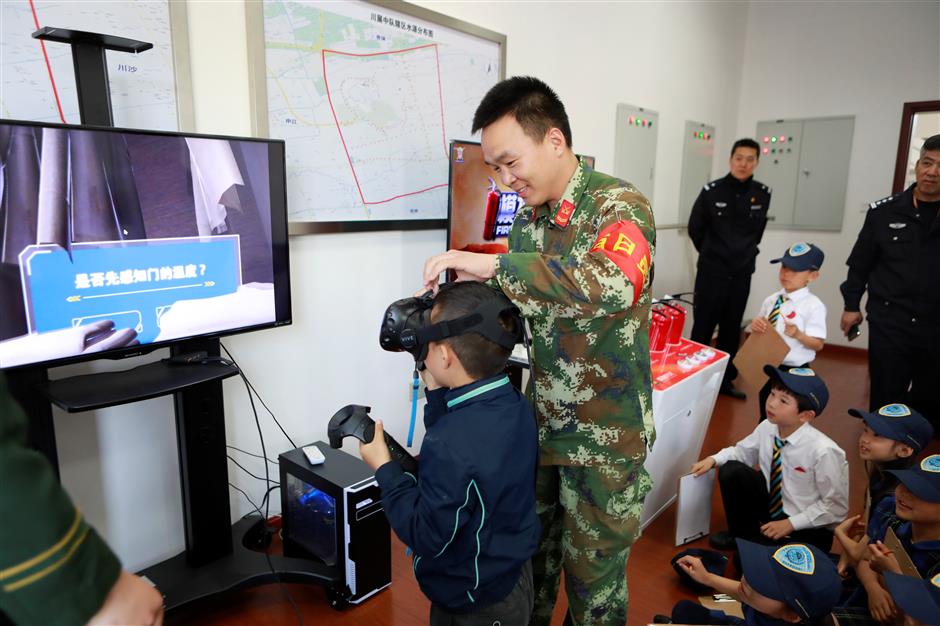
[(480, 209), (114, 241)]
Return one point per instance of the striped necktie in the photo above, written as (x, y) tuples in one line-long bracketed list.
[(775, 312), (776, 481)]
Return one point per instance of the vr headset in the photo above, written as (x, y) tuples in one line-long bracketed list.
[(407, 327)]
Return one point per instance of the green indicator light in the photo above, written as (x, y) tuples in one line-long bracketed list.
[(773, 140)]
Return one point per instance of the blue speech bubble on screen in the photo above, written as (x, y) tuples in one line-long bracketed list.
[(128, 282)]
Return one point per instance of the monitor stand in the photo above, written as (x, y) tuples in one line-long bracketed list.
[(215, 559)]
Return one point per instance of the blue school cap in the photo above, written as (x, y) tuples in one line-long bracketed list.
[(804, 381), (918, 598), (801, 576), (923, 480), (801, 257), (900, 423)]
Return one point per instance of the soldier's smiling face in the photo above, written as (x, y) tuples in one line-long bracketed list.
[(531, 168)]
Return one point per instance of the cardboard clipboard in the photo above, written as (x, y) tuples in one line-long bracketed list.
[(759, 350), (730, 607), (892, 542), (694, 506)]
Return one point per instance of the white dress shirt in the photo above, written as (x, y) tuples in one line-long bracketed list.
[(804, 310), (815, 472)]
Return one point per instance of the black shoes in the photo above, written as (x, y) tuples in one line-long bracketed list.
[(722, 540), (727, 389), (662, 619)]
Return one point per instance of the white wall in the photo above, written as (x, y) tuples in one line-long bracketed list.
[(685, 60), (857, 58)]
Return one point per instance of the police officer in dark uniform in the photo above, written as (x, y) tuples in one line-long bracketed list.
[(726, 224), (897, 259)]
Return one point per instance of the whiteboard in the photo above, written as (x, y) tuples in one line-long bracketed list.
[(148, 90), (368, 98)]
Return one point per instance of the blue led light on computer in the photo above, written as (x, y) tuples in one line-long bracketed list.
[(316, 496)]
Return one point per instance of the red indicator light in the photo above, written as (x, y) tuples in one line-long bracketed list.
[(783, 138), (766, 139), (766, 150)]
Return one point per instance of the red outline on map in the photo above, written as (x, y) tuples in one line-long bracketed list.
[(42, 44), (340, 130)]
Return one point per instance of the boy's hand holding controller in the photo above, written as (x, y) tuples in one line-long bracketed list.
[(702, 466), (376, 454)]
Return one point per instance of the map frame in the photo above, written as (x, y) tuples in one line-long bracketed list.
[(257, 78)]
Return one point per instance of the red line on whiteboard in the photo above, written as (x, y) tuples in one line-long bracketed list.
[(42, 44), (339, 128), (440, 95)]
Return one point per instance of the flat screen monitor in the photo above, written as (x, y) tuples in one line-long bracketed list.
[(114, 242), (480, 209)]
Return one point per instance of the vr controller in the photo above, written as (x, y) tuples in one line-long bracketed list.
[(353, 420)]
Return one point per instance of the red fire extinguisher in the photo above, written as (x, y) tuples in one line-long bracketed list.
[(492, 210), (677, 321), (659, 330)]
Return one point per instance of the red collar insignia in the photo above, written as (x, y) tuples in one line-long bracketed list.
[(563, 216)]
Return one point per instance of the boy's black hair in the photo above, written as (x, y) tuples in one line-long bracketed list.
[(803, 403), (530, 101), (747, 142), (480, 357)]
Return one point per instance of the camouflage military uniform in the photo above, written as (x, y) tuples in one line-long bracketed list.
[(54, 568), (580, 272)]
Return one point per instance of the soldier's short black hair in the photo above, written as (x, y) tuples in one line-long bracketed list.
[(480, 357), (747, 142), (931, 144), (803, 403), (530, 101)]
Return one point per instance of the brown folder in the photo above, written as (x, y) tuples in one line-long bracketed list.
[(759, 350)]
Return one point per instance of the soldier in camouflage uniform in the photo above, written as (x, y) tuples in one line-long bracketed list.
[(54, 567), (579, 269)]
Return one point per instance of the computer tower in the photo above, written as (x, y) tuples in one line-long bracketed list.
[(333, 513)]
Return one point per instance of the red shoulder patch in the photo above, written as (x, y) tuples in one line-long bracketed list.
[(625, 245), (563, 216)]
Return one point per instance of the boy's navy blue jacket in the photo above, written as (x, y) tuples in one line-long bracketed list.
[(470, 516)]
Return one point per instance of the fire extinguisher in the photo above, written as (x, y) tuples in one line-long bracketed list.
[(659, 330), (677, 321), (492, 210)]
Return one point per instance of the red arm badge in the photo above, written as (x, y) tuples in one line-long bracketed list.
[(625, 245)]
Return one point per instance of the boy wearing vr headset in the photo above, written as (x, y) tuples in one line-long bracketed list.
[(469, 518)]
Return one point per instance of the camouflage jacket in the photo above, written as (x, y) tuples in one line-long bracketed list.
[(54, 567), (580, 273)]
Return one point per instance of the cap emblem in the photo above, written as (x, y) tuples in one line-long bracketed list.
[(894, 410), (802, 371), (797, 558), (931, 464), (935, 581), (799, 248)]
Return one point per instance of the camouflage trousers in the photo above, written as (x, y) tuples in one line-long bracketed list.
[(590, 517)]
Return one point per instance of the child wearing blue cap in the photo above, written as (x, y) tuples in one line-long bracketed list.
[(913, 513), (918, 599), (793, 311), (801, 491), (891, 438), (793, 583)]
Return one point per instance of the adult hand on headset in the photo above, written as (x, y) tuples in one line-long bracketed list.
[(468, 265)]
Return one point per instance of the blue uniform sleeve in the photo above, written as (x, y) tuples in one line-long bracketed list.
[(427, 513)]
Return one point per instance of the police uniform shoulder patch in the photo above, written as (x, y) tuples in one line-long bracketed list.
[(711, 185), (883, 201)]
